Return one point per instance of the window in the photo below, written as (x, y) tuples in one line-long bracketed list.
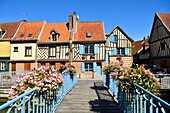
[(162, 46), (113, 38), (28, 51), (22, 35), (121, 51), (29, 35), (42, 63), (15, 49), (88, 67), (1, 32), (88, 34), (52, 65), (52, 51), (54, 37), (89, 49), (2, 65)]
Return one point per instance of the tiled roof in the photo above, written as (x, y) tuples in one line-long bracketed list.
[(138, 45), (27, 28), (10, 29), (61, 28), (96, 29), (165, 18)]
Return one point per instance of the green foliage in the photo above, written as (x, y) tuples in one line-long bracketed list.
[(138, 75)]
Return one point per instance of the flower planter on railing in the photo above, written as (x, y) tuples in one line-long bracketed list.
[(38, 102)]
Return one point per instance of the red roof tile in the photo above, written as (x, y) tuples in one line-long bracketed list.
[(10, 29), (138, 45), (96, 29), (61, 28), (27, 28), (165, 18)]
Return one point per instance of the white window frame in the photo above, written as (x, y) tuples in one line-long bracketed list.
[(3, 64), (28, 51), (52, 51), (88, 67)]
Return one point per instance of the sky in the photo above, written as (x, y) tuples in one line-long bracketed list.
[(135, 17)]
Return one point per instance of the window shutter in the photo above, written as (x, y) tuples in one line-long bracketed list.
[(94, 66), (113, 38), (126, 51), (96, 49), (114, 51), (82, 67), (81, 49)]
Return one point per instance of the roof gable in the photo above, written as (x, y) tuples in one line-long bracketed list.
[(89, 31), (118, 27), (9, 29)]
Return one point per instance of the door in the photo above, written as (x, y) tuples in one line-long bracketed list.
[(98, 70), (13, 66), (27, 66)]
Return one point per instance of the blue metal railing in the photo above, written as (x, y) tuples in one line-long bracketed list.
[(38, 102), (138, 100)]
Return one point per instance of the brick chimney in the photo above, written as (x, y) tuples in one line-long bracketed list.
[(74, 21), (70, 21)]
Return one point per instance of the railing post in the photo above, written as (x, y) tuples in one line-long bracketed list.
[(150, 104), (23, 105)]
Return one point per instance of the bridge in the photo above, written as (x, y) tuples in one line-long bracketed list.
[(80, 95)]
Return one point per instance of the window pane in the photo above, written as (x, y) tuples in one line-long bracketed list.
[(2, 65), (28, 51), (52, 51), (29, 35), (22, 35), (88, 67), (86, 49), (91, 49)]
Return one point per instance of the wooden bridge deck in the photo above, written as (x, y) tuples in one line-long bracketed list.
[(89, 96)]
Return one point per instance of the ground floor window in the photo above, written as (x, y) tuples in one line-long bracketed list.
[(88, 67), (42, 63), (2, 66), (52, 64)]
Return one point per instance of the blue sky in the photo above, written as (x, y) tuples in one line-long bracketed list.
[(135, 17)]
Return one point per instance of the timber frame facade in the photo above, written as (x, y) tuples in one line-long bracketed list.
[(159, 41), (119, 47), (82, 44)]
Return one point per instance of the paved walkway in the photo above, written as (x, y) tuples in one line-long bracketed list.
[(89, 96)]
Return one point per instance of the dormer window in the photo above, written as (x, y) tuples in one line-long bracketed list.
[(1, 32), (22, 35), (54, 35), (29, 35), (88, 34)]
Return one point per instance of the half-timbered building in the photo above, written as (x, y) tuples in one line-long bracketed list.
[(119, 47), (53, 46), (87, 46), (7, 31), (159, 41), (24, 46)]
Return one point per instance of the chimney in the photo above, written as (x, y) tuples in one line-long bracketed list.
[(74, 21), (70, 21)]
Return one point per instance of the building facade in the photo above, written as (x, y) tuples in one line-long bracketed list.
[(23, 55), (119, 47), (159, 42), (7, 31)]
